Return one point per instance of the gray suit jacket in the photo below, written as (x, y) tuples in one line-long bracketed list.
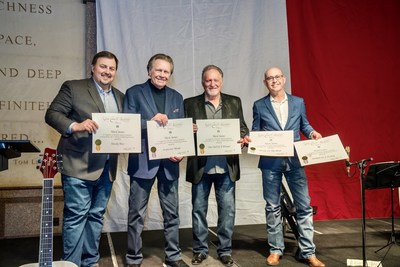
[(75, 102), (231, 109), (139, 99), (265, 119)]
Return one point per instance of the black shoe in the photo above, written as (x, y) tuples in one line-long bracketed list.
[(198, 258), (134, 265), (178, 263), (226, 260)]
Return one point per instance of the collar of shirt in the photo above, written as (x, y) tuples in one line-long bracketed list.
[(101, 91), (213, 112), (285, 99), (208, 102), (108, 99), (281, 110), (158, 90)]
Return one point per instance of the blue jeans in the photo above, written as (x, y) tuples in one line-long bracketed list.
[(85, 203), (138, 199), (225, 196), (297, 182)]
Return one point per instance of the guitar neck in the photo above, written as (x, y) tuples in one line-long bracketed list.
[(49, 167), (46, 229)]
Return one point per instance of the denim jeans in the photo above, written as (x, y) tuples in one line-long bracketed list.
[(85, 203), (297, 182), (140, 190), (225, 196)]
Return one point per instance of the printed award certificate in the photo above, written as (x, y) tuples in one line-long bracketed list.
[(218, 137), (117, 133), (174, 139), (326, 149), (271, 143)]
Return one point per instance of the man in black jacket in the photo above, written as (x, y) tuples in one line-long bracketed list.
[(222, 171)]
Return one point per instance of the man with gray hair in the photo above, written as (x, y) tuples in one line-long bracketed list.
[(222, 171)]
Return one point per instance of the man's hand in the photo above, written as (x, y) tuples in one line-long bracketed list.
[(87, 125), (315, 135), (176, 158), (162, 119), (244, 141), (195, 128)]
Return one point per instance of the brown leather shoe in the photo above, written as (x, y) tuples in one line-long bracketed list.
[(314, 262), (273, 259)]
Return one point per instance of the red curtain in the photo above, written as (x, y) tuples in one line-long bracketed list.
[(344, 61)]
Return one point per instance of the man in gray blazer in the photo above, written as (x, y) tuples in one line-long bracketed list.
[(222, 171), (86, 177), (280, 111), (154, 100)]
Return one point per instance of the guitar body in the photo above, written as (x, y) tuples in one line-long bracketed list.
[(54, 264), (49, 167)]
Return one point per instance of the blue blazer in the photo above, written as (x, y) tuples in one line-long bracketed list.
[(139, 99), (265, 119)]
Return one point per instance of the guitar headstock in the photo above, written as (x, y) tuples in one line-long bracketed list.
[(50, 163)]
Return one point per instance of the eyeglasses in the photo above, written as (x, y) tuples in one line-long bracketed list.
[(271, 78)]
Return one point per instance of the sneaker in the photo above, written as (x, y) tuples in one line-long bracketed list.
[(178, 263)]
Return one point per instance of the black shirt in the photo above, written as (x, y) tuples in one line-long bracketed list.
[(159, 98)]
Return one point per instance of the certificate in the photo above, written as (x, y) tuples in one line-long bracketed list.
[(271, 143), (319, 151), (174, 139), (218, 137), (117, 133)]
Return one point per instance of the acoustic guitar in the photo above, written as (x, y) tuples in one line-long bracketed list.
[(49, 168)]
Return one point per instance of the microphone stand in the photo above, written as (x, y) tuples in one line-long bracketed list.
[(362, 164)]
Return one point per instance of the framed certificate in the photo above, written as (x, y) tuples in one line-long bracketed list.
[(218, 137), (326, 149), (174, 139), (117, 133), (271, 143)]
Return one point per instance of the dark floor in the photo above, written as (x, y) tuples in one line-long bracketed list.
[(337, 242)]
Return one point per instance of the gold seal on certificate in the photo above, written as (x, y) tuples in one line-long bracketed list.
[(271, 143), (174, 139), (218, 137), (326, 149), (117, 133)]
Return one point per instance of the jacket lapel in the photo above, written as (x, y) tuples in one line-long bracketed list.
[(95, 95), (225, 107), (119, 100), (148, 97), (200, 107), (169, 101), (272, 111), (290, 109)]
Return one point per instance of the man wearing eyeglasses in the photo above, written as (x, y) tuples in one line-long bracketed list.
[(280, 111)]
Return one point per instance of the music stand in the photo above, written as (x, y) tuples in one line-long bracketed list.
[(385, 175), (10, 149)]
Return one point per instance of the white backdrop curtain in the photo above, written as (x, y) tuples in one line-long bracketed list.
[(243, 37)]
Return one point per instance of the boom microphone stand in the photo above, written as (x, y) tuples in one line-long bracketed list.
[(362, 164)]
